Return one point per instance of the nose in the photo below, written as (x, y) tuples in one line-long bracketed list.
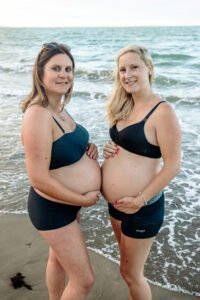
[(62, 73), (128, 74)]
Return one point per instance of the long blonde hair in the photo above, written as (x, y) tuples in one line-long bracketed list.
[(121, 103), (38, 94)]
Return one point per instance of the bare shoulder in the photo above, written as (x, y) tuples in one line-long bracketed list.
[(167, 121), (165, 107), (37, 112), (37, 121), (165, 111)]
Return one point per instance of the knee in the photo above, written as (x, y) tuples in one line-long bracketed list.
[(125, 273), (128, 275), (88, 282)]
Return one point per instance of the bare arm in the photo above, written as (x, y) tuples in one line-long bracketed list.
[(169, 140), (37, 136)]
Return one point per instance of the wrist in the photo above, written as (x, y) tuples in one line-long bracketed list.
[(142, 198)]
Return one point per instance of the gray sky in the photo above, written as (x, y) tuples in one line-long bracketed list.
[(56, 13)]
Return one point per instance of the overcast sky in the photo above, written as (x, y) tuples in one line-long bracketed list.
[(56, 13)]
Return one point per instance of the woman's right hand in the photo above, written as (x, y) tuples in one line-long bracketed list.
[(91, 198), (110, 149)]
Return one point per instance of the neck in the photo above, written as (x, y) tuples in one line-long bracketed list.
[(55, 106), (143, 97), (55, 102)]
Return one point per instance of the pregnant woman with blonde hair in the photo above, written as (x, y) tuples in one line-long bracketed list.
[(143, 129)]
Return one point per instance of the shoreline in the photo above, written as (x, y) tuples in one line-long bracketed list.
[(23, 250)]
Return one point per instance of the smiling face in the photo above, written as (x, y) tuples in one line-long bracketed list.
[(58, 75), (133, 73)]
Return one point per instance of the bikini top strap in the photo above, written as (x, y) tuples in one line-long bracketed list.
[(59, 125), (152, 110), (69, 115)]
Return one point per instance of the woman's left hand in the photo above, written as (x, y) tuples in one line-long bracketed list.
[(92, 151), (128, 205)]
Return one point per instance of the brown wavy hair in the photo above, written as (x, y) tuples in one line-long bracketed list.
[(38, 94)]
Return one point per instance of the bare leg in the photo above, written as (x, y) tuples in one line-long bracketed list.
[(78, 218), (69, 247), (55, 277), (134, 253), (116, 225)]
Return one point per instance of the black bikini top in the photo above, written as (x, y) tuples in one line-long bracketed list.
[(132, 138), (69, 148)]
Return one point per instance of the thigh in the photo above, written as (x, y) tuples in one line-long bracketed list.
[(116, 225), (134, 253), (69, 246)]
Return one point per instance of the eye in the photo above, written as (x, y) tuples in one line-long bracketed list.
[(56, 68), (133, 67), (68, 69), (122, 70)]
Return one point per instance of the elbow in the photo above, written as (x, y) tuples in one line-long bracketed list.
[(38, 183), (175, 170), (178, 169), (172, 170)]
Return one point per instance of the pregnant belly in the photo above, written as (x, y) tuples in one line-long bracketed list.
[(123, 177), (81, 177)]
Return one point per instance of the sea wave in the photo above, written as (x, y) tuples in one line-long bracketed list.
[(94, 74), (92, 95), (172, 56), (169, 80), (17, 69)]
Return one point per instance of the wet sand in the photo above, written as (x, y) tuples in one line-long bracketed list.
[(23, 250)]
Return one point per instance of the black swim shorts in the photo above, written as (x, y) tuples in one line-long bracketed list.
[(47, 215), (143, 224)]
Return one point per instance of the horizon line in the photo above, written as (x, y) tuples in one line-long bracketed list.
[(101, 26)]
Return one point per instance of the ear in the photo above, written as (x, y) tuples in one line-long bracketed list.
[(151, 69)]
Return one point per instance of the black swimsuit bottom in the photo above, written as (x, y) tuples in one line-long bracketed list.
[(47, 215)]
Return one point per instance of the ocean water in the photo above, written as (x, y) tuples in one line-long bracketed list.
[(174, 259)]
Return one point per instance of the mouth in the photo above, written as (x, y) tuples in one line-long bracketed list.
[(130, 82), (62, 83)]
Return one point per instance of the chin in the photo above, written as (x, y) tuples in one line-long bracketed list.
[(131, 91)]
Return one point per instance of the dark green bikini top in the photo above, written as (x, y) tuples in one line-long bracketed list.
[(69, 148)]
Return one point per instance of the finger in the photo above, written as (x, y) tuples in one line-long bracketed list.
[(119, 202), (110, 149), (112, 144), (91, 153), (94, 155), (120, 207)]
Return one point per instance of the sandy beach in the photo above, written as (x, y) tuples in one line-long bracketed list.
[(23, 250)]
